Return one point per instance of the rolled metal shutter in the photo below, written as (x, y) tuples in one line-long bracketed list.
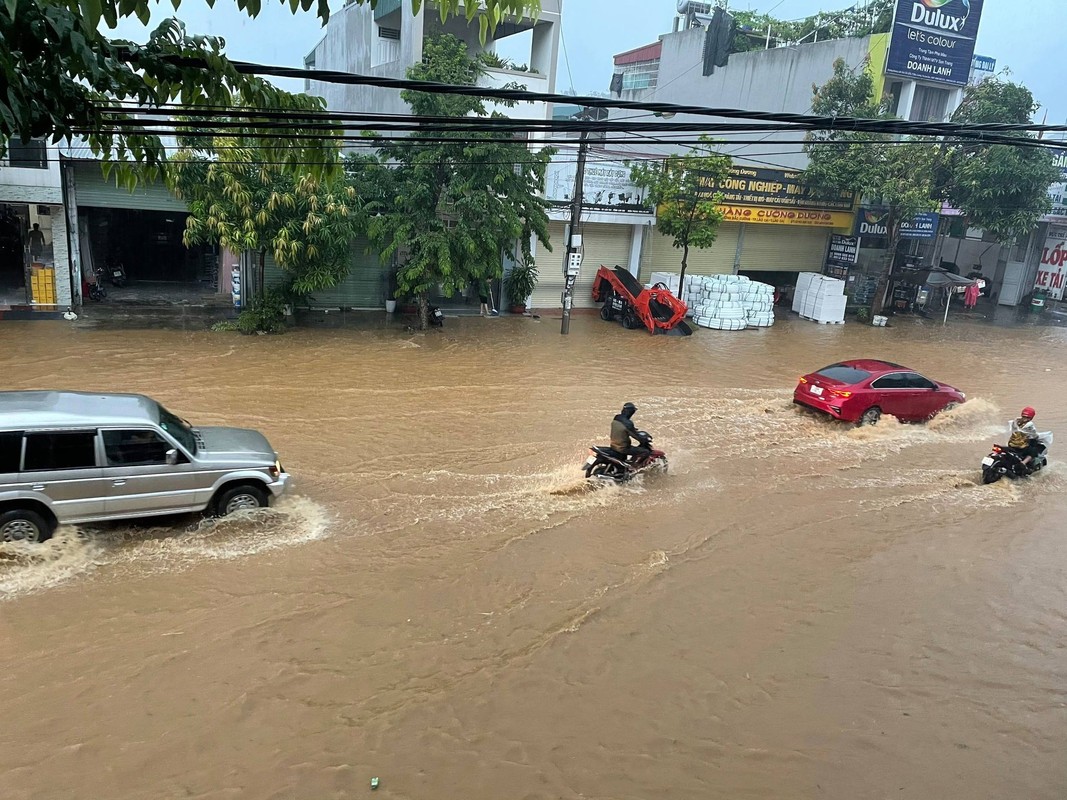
[(784, 248), (662, 256), (602, 245), (93, 190), (364, 288)]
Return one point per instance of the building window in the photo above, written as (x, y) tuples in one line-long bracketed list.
[(929, 104), (386, 45), (1019, 248), (892, 97), (641, 75), (31, 155)]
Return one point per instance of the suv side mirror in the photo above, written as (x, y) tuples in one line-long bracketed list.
[(172, 457)]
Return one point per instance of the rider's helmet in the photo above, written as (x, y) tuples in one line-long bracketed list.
[(1029, 413), (628, 410)]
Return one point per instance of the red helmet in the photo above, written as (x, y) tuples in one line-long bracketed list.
[(1029, 412)]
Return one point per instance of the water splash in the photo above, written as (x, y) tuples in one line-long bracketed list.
[(75, 552)]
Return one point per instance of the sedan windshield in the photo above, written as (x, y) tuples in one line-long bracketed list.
[(847, 375), (178, 428)]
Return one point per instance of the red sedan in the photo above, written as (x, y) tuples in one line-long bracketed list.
[(863, 390)]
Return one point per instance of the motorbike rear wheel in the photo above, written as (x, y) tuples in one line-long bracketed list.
[(990, 475)]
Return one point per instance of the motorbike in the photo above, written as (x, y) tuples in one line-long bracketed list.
[(116, 274), (96, 290), (1003, 462), (437, 317), (606, 464)]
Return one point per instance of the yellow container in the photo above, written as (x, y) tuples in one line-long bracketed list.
[(43, 286)]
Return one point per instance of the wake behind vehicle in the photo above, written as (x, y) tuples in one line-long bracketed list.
[(1003, 462), (862, 390), (606, 464), (74, 457)]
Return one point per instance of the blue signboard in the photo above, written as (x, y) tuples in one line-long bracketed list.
[(933, 40), (872, 223), (921, 226)]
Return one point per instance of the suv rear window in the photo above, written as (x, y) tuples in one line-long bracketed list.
[(10, 452), (846, 375)]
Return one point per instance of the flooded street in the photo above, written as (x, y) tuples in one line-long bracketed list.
[(799, 609)]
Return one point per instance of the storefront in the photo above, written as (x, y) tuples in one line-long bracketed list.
[(613, 225), (34, 260), (773, 228), (143, 232)]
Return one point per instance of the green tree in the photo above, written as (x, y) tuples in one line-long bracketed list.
[(681, 189), (448, 206), (240, 200), (1003, 189), (897, 173), (59, 72)]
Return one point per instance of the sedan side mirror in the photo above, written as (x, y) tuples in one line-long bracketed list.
[(172, 457)]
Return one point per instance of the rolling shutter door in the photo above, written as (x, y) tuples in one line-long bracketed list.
[(92, 190), (784, 248), (364, 288), (602, 244), (662, 256)]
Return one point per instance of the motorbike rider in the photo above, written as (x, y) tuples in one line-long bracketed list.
[(1024, 441), (623, 431)]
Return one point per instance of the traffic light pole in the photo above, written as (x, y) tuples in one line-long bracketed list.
[(572, 259)]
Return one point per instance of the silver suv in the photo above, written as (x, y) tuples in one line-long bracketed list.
[(71, 457)]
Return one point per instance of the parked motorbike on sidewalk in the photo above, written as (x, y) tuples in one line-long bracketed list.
[(1003, 462), (606, 464)]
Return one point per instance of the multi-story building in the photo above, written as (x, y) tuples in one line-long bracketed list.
[(772, 227), (386, 41), (35, 274)]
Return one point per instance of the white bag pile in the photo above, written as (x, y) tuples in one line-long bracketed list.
[(723, 302), (820, 298)]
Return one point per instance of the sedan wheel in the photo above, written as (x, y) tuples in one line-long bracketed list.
[(871, 416)]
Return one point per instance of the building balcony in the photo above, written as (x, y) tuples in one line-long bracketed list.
[(534, 82)]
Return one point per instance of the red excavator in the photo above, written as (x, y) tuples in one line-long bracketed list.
[(632, 304)]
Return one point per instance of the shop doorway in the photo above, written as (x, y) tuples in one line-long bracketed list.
[(25, 244), (148, 245)]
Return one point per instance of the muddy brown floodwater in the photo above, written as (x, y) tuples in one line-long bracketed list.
[(797, 610)]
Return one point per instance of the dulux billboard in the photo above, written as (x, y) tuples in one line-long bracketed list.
[(933, 40)]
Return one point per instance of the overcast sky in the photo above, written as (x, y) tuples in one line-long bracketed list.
[(1024, 37)]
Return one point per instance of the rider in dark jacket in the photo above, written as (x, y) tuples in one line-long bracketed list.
[(623, 431)]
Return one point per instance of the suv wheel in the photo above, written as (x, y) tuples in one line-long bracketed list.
[(246, 497), (23, 525)]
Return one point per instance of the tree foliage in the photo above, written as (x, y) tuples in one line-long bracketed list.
[(897, 173), (59, 70), (448, 206), (681, 189), (864, 19), (1003, 189), (242, 201)]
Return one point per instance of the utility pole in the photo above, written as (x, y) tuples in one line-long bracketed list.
[(572, 260)]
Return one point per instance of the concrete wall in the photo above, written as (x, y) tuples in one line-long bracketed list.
[(775, 80), (22, 185), (348, 46), (352, 35)]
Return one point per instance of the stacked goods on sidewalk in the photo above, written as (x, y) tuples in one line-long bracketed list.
[(723, 302), (820, 298)]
